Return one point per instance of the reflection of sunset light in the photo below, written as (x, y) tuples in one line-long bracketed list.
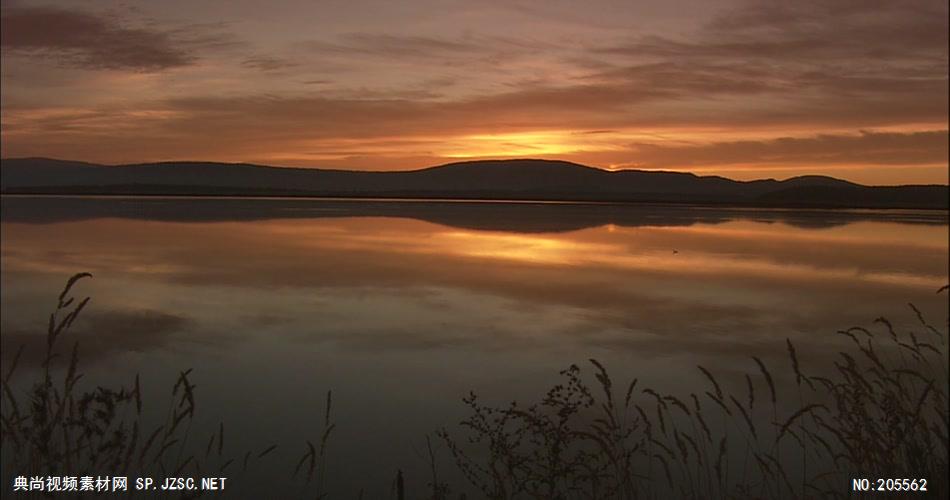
[(855, 233), (731, 250), (518, 247), (558, 250)]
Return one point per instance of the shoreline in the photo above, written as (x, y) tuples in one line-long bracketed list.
[(395, 198)]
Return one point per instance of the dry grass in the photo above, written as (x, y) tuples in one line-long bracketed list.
[(880, 412), (54, 428)]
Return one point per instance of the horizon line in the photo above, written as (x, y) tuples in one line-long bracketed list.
[(461, 162)]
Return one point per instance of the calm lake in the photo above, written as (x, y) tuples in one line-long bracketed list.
[(401, 308)]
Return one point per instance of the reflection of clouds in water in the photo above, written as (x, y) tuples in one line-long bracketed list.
[(401, 317), (100, 333), (374, 284), (394, 251), (513, 217)]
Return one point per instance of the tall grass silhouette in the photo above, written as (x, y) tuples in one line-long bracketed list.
[(54, 427), (879, 411)]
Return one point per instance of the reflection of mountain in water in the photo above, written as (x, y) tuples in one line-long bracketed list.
[(489, 216)]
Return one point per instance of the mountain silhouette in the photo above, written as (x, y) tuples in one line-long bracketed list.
[(492, 179)]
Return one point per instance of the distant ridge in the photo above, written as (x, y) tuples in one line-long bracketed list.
[(523, 179)]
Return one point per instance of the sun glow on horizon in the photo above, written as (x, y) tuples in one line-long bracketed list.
[(516, 144)]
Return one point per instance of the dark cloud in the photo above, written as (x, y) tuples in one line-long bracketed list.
[(367, 114), (269, 63), (675, 79), (416, 47), (864, 62), (401, 46), (87, 40), (373, 114), (317, 82), (816, 29), (470, 53), (808, 32)]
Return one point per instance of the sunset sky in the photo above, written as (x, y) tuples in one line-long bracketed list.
[(856, 89)]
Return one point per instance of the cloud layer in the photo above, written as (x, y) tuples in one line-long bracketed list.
[(819, 84), (80, 39)]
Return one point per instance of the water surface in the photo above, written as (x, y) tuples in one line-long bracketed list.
[(403, 307)]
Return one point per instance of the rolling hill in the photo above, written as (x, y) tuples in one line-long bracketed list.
[(496, 179)]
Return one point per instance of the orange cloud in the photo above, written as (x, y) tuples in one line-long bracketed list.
[(763, 89)]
